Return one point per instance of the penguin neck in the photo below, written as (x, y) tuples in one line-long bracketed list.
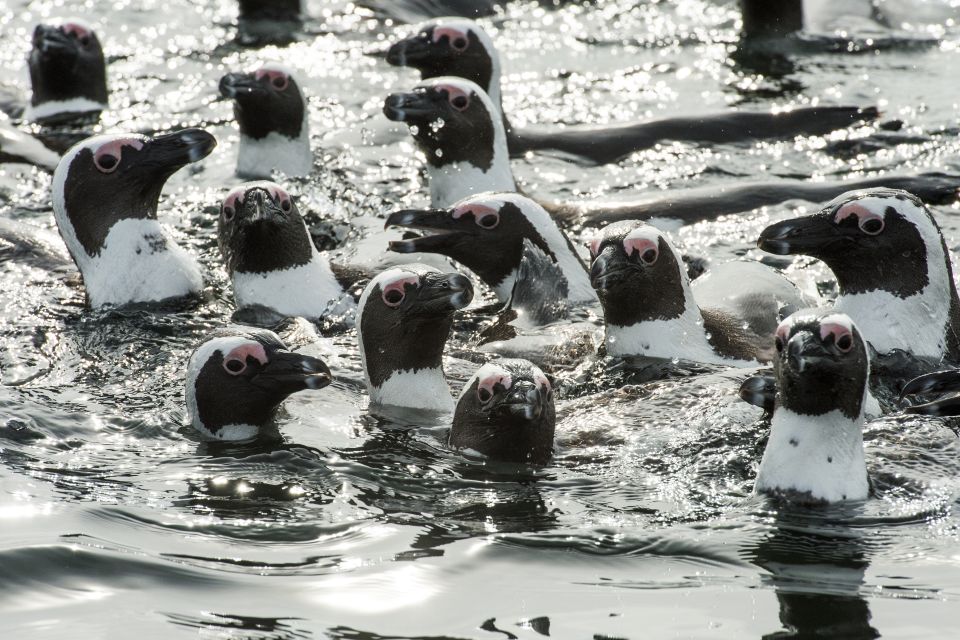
[(450, 182), (923, 324), (682, 337), (815, 457), (282, 290), (57, 111), (138, 262), (421, 389), (275, 153)]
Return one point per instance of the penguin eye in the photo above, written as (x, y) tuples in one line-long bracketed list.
[(871, 226), (649, 256), (460, 102), (393, 297), (844, 343), (460, 43), (280, 82), (869, 222), (285, 205), (840, 335), (106, 162), (484, 395), (778, 343), (395, 292), (487, 385), (489, 220), (234, 366), (228, 212), (645, 248)]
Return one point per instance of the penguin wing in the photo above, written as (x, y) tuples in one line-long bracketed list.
[(540, 289)]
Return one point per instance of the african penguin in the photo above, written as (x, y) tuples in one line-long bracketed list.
[(19, 147), (68, 74), (270, 255), (940, 382), (105, 195), (815, 450), (236, 379), (892, 267), (272, 115), (453, 122), (488, 233), (506, 412), (461, 47), (268, 21), (651, 310), (404, 319)]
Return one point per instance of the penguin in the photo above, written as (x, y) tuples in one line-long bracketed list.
[(892, 266), (262, 22), (272, 115), (404, 319), (105, 195), (491, 234), (651, 310), (461, 47), (271, 258), (815, 451), (506, 412), (21, 148), (467, 153), (236, 380), (68, 74), (456, 126), (941, 382)]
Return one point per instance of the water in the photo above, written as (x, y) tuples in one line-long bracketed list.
[(115, 521)]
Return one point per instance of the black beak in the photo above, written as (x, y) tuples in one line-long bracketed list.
[(524, 401), (52, 40), (410, 52), (445, 292), (760, 391), (805, 236), (610, 268), (936, 382), (447, 228), (406, 107), (804, 349), (174, 150), (258, 205), (289, 372), (239, 85)]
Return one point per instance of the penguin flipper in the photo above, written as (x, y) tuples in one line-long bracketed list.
[(352, 279), (540, 290)]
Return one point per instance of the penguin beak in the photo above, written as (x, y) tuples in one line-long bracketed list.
[(49, 40), (415, 106), (449, 230), (175, 150), (524, 401), (289, 372), (936, 382), (443, 293), (259, 205), (760, 391), (804, 350), (414, 52), (239, 85), (810, 236), (609, 269)]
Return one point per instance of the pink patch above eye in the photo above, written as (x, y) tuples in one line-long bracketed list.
[(541, 379), (639, 245), (453, 91), (400, 284), (595, 246), (248, 350), (72, 28), (273, 75), (453, 34), (833, 329), (492, 380), (783, 332), (235, 197), (114, 149)]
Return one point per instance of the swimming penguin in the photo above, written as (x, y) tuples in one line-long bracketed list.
[(492, 234), (651, 309), (19, 147), (506, 412), (271, 258), (68, 74), (403, 322), (268, 21), (272, 115), (461, 47), (455, 125), (105, 195), (237, 379), (892, 267), (815, 451), (940, 382), (467, 154)]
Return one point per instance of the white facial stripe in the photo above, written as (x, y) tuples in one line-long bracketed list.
[(79, 22), (839, 319), (273, 67), (238, 194)]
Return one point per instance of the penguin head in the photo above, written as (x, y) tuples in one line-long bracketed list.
[(236, 379), (260, 229), (821, 364), (105, 179), (404, 319), (450, 47), (872, 240), (637, 274), (485, 232), (452, 119), (266, 100), (506, 411), (66, 62)]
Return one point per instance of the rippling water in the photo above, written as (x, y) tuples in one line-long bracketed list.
[(115, 520)]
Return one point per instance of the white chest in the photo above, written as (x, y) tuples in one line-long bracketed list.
[(275, 153), (309, 290), (822, 455), (916, 324), (58, 107), (453, 182), (139, 262), (424, 389), (682, 337)]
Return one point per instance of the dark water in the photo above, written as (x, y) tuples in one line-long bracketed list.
[(116, 522)]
